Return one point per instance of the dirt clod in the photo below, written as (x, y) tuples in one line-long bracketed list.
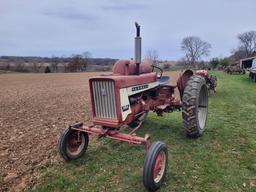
[(10, 177)]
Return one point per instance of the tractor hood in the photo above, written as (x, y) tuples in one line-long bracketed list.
[(124, 81)]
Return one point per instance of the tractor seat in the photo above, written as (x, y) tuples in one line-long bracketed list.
[(164, 80)]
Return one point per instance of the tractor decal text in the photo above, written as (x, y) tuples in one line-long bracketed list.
[(140, 87), (125, 108)]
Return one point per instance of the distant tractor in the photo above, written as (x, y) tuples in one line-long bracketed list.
[(211, 81), (124, 98)]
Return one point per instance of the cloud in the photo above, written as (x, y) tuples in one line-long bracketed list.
[(124, 6), (105, 27), (69, 14)]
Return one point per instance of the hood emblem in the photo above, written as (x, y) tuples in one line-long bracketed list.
[(103, 92)]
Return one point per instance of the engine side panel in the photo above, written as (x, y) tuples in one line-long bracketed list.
[(139, 94)]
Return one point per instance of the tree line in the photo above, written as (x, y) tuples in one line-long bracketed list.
[(195, 49), (74, 63)]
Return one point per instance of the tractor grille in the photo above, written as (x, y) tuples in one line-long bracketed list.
[(104, 99)]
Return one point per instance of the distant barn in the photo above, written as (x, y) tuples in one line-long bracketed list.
[(247, 62)]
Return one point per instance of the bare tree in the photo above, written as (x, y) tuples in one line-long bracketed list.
[(86, 59), (238, 54), (20, 66), (182, 63), (7, 66), (66, 67), (54, 63), (152, 55), (195, 49), (75, 64), (247, 43), (36, 65)]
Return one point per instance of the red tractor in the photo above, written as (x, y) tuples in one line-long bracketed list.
[(211, 81), (125, 97)]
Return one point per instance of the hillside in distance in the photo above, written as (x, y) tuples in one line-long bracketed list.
[(61, 64)]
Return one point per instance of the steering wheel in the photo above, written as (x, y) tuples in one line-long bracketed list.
[(159, 73)]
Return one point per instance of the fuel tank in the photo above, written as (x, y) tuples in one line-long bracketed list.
[(128, 67)]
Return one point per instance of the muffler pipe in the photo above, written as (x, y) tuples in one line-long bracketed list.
[(137, 54)]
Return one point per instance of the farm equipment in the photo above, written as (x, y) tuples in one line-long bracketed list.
[(125, 98), (249, 64), (211, 81), (252, 71), (234, 69)]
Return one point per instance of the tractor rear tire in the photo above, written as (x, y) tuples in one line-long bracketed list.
[(155, 166), (73, 144), (195, 106)]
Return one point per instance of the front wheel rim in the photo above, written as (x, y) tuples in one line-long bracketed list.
[(202, 107), (159, 167), (75, 143)]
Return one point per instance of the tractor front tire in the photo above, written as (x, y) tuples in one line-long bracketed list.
[(155, 166), (73, 144), (195, 106)]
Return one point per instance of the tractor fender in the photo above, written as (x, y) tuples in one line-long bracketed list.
[(183, 79)]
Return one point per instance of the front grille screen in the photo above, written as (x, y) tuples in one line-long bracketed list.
[(104, 99)]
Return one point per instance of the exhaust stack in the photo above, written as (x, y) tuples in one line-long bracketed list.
[(137, 54)]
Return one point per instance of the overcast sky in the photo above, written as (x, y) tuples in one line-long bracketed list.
[(106, 27)]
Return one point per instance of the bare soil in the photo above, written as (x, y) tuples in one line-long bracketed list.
[(34, 110)]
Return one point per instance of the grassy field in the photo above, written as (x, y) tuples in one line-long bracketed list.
[(224, 159)]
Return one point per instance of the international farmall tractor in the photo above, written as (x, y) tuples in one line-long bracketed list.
[(124, 98)]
